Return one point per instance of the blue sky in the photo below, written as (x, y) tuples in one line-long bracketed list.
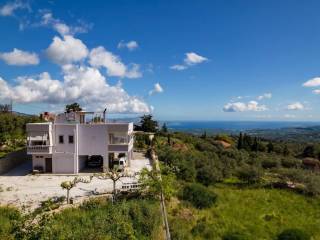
[(190, 60)]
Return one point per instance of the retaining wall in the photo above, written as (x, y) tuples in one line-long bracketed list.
[(13, 159)]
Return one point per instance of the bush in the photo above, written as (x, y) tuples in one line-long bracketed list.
[(234, 236), (312, 184), (293, 234), (269, 163), (198, 195), (203, 230), (209, 175), (290, 162), (249, 174), (9, 220)]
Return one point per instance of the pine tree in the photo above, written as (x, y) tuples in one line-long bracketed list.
[(204, 135), (255, 144), (240, 141), (286, 151), (270, 147), (169, 139), (164, 128)]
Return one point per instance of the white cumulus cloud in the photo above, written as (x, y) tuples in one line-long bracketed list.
[(190, 60), (131, 45), (20, 58), (61, 27), (193, 58), (83, 84), (265, 96), (317, 91), (296, 106), (178, 67), (314, 82), (244, 107), (156, 89), (66, 50), (100, 57)]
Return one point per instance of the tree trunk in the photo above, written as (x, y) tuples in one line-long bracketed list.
[(68, 191), (114, 190)]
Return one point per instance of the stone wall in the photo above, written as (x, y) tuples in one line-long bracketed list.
[(12, 160)]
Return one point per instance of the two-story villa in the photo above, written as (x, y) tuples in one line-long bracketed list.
[(69, 143)]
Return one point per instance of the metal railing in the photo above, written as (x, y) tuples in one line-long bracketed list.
[(39, 149)]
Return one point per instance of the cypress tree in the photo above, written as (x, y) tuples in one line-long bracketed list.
[(240, 141)]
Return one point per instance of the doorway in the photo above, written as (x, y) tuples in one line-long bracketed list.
[(48, 165)]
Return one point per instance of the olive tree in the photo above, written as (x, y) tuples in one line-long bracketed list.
[(68, 185), (113, 175)]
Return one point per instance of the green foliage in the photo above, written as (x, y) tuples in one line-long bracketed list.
[(312, 184), (209, 175), (99, 219), (203, 230), (249, 174), (13, 128), (257, 213), (164, 128), (198, 195), (294, 234), (147, 124), (234, 236), (268, 163), (9, 217), (154, 185), (141, 141), (73, 107), (290, 162)]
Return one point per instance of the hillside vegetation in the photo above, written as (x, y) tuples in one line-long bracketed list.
[(13, 131), (95, 219), (251, 189)]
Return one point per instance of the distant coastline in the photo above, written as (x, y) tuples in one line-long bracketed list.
[(234, 126)]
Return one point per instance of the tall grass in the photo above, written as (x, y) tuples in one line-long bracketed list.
[(255, 213)]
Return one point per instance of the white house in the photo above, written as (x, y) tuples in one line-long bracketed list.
[(71, 143)]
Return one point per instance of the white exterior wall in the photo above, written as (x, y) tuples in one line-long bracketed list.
[(93, 140), (65, 157), (89, 139), (39, 160)]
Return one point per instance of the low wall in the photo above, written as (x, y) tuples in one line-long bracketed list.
[(11, 160)]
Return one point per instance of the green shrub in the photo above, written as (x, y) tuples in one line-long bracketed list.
[(209, 175), (290, 162), (198, 195), (249, 174), (312, 184), (293, 234), (203, 230), (234, 236), (9, 217), (98, 219), (269, 163)]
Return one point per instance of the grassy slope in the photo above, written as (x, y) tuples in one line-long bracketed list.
[(7, 217), (132, 219), (259, 213)]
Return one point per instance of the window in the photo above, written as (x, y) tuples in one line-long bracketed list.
[(61, 139), (70, 138)]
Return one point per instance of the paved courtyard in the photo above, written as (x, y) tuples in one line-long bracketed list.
[(21, 189)]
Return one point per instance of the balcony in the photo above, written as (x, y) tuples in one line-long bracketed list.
[(39, 149), (120, 142)]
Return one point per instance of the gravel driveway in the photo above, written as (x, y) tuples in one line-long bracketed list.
[(21, 189)]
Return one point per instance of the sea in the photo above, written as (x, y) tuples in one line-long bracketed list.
[(233, 126)]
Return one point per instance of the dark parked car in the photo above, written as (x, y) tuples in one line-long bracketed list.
[(95, 161)]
